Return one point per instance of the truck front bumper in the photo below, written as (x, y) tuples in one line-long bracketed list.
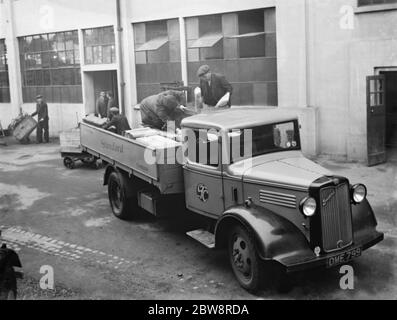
[(306, 259)]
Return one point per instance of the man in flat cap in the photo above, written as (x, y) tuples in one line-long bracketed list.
[(118, 123), (159, 109), (43, 119), (216, 91)]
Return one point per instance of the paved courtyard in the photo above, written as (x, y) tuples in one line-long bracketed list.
[(61, 218)]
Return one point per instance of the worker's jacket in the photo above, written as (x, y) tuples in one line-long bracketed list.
[(215, 91), (156, 114), (102, 107), (120, 122), (41, 111)]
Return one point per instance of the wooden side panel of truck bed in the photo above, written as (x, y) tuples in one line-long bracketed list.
[(137, 159)]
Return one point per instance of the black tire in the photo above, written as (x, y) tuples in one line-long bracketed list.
[(69, 163), (124, 206), (243, 257)]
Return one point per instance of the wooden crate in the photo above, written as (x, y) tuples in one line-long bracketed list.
[(25, 128), (70, 139)]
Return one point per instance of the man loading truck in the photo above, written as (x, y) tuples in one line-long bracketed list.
[(118, 123), (161, 108)]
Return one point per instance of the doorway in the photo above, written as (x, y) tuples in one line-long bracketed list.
[(391, 114), (97, 82)]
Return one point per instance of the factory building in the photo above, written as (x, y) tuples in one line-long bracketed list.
[(331, 62)]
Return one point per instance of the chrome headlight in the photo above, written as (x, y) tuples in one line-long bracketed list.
[(308, 206), (359, 193)]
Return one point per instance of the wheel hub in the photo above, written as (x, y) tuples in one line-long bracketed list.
[(241, 256)]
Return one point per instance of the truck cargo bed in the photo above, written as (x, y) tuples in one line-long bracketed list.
[(156, 165)]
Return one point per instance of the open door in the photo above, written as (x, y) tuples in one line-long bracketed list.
[(376, 120)]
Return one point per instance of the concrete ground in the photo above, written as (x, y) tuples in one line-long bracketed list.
[(61, 218)]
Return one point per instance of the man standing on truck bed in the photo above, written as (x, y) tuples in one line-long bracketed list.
[(118, 121), (216, 91), (43, 119), (161, 108), (101, 109)]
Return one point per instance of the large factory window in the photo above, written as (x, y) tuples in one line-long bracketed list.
[(4, 82), (157, 55), (99, 45), (50, 65), (240, 45)]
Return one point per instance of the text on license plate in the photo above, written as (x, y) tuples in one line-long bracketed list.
[(344, 257)]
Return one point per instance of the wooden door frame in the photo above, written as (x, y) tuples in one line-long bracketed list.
[(373, 111)]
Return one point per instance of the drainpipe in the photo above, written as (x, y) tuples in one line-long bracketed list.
[(308, 52), (120, 57)]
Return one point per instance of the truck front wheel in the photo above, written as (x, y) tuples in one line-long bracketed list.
[(123, 205), (246, 265)]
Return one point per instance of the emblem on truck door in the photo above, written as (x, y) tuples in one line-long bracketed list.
[(202, 193)]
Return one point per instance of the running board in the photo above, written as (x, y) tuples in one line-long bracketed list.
[(204, 237)]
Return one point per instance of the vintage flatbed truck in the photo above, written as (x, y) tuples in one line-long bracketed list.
[(271, 208)]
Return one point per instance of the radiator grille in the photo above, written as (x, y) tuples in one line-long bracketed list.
[(336, 218)]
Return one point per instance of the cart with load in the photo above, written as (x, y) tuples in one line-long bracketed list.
[(71, 150)]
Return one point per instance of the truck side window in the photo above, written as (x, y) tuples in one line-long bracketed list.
[(203, 147)]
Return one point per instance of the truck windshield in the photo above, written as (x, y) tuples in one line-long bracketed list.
[(256, 141)]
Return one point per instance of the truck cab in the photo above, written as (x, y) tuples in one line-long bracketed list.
[(246, 170)]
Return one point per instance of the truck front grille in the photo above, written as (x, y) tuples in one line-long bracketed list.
[(336, 218)]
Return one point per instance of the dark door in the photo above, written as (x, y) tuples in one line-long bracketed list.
[(376, 120), (391, 109), (106, 81)]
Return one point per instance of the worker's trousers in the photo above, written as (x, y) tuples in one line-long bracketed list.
[(43, 127)]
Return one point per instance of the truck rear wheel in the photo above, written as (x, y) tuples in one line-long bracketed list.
[(246, 265), (124, 206)]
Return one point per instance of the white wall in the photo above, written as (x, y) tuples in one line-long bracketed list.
[(2, 21), (166, 9), (340, 59), (42, 16)]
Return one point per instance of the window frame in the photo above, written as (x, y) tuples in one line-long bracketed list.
[(375, 7), (43, 77), (296, 133), (5, 73), (92, 44)]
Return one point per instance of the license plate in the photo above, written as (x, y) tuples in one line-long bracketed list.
[(343, 257)]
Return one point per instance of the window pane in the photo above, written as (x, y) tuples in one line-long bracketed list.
[(77, 57), (107, 54), (97, 54), (69, 58), (77, 76), (69, 41), (60, 41), (46, 59), (252, 47), (88, 55)]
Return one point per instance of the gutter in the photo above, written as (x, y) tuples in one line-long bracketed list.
[(120, 58)]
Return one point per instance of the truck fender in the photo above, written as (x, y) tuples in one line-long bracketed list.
[(363, 217), (131, 184), (275, 236), (109, 169)]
